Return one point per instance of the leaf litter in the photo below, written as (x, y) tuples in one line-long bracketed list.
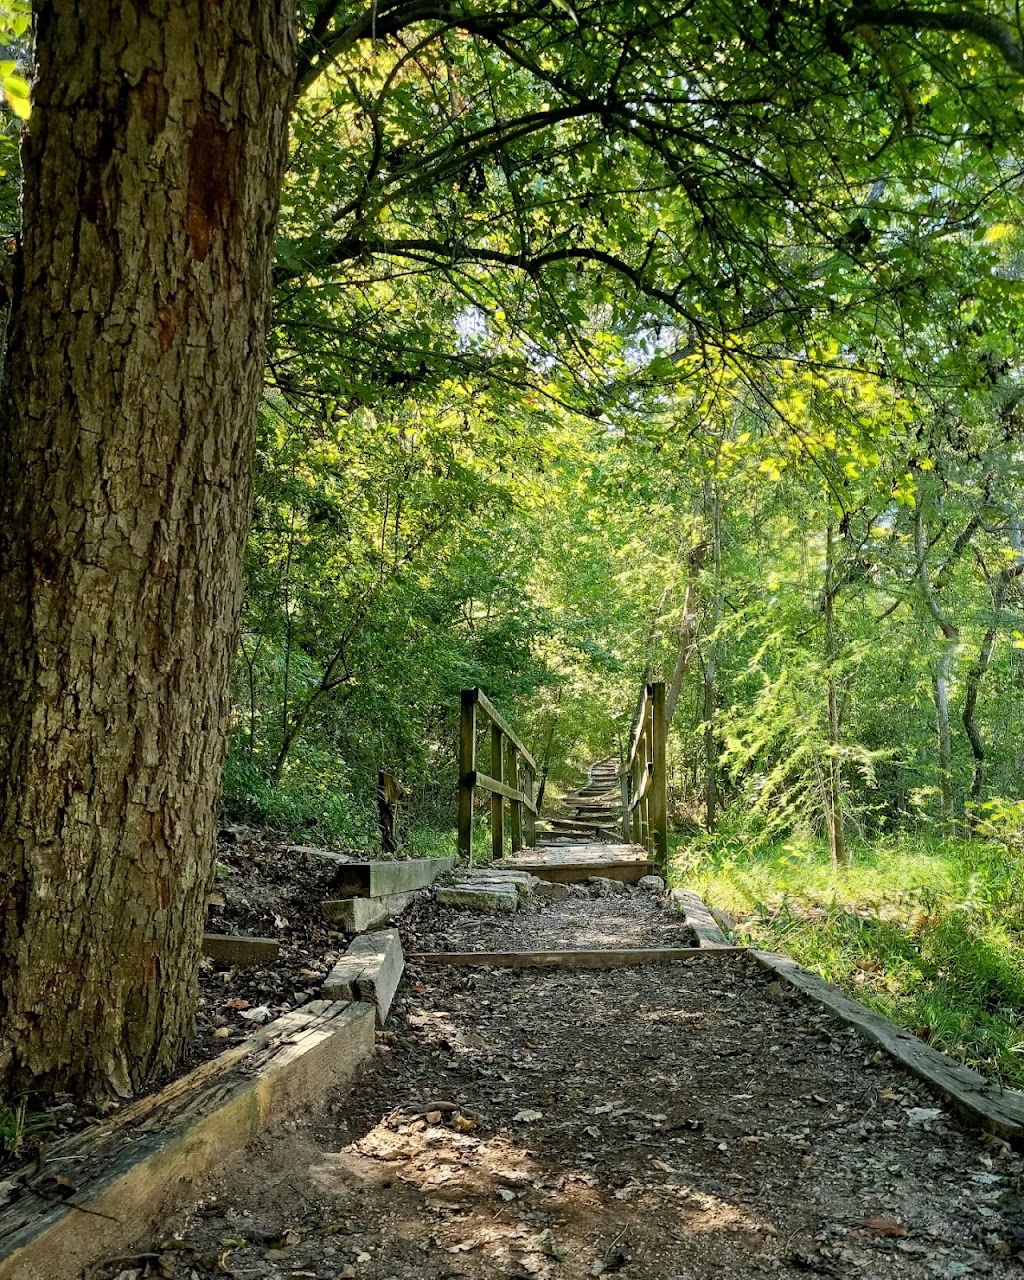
[(678, 1122)]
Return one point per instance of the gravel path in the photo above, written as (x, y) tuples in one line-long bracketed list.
[(689, 1122)]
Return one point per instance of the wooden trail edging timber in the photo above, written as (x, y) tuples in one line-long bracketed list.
[(601, 959), (976, 1100), (378, 891), (133, 1169)]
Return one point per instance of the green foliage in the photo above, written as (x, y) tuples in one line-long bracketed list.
[(15, 20), (929, 932), (19, 1126)]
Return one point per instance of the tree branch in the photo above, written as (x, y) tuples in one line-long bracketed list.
[(991, 30)]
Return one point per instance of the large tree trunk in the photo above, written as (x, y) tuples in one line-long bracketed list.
[(977, 672), (153, 164)]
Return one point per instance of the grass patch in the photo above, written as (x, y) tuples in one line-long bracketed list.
[(929, 932)]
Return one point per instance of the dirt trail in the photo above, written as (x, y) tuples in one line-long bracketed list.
[(690, 1122)]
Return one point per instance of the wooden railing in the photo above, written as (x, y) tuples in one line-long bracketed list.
[(643, 776), (513, 777)]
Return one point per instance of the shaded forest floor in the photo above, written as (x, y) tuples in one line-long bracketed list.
[(682, 1122)]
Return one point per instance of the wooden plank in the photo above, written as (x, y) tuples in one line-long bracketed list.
[(380, 879), (239, 949), (605, 959), (147, 1162), (498, 787), (698, 918), (641, 791), (975, 1099), (569, 871), (467, 768), (496, 719)]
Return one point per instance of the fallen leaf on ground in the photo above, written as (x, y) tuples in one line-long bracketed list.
[(883, 1227)]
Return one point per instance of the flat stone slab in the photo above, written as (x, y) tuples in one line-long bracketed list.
[(145, 1160), (240, 950), (370, 970), (551, 890), (385, 879), (480, 897), (356, 915), (523, 883)]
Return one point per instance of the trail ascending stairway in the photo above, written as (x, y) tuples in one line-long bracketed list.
[(584, 837)]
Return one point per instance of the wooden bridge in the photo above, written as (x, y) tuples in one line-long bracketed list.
[(615, 825)]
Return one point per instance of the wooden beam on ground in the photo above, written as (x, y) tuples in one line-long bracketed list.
[(698, 918), (606, 959), (975, 1099), (570, 872), (133, 1168)]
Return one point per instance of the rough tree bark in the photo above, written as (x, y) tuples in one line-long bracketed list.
[(153, 163)]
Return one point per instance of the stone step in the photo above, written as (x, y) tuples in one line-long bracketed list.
[(479, 897)]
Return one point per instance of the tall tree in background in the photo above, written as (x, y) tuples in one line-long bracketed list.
[(152, 166)]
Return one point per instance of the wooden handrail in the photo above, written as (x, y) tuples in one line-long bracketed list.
[(638, 727), (495, 717), (644, 777), (502, 789), (513, 778)]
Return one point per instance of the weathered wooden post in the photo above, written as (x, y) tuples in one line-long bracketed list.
[(531, 816), (624, 777), (497, 800), (648, 765), (467, 768), (389, 792), (637, 833), (515, 806), (659, 778)]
